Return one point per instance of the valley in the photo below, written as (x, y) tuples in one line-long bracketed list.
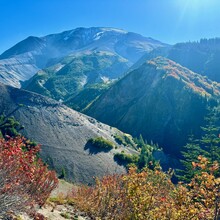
[(107, 103)]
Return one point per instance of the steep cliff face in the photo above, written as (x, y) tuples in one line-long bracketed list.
[(63, 134), (161, 100), (23, 60)]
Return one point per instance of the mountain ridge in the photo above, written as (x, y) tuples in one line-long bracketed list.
[(23, 60), (200, 56), (160, 100)]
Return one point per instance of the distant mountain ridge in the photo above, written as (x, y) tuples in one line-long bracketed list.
[(24, 59), (201, 57), (161, 100)]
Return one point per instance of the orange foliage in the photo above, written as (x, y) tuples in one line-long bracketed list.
[(151, 195)]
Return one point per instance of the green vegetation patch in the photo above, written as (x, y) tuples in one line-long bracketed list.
[(143, 159), (126, 158), (101, 143), (9, 126), (119, 139), (65, 215), (125, 140)]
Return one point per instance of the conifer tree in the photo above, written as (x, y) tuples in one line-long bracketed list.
[(9, 126), (210, 141), (208, 146), (191, 153)]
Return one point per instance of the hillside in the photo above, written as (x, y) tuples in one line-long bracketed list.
[(161, 100), (23, 60), (63, 134), (76, 73)]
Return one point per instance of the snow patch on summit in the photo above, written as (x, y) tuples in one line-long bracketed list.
[(115, 30), (98, 35)]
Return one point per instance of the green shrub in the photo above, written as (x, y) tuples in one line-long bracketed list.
[(119, 139), (101, 143), (128, 140), (142, 160), (63, 173), (59, 200), (9, 126), (65, 215), (125, 140), (126, 158)]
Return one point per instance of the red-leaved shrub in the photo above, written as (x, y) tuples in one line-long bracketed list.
[(24, 179)]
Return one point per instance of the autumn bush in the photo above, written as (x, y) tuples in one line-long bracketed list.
[(25, 180), (151, 195)]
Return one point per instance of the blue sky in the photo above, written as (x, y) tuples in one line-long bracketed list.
[(169, 21)]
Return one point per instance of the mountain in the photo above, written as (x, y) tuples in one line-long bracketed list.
[(161, 100), (74, 73), (23, 60), (63, 134), (201, 57)]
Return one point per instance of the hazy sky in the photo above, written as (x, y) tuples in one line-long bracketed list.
[(169, 21)]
